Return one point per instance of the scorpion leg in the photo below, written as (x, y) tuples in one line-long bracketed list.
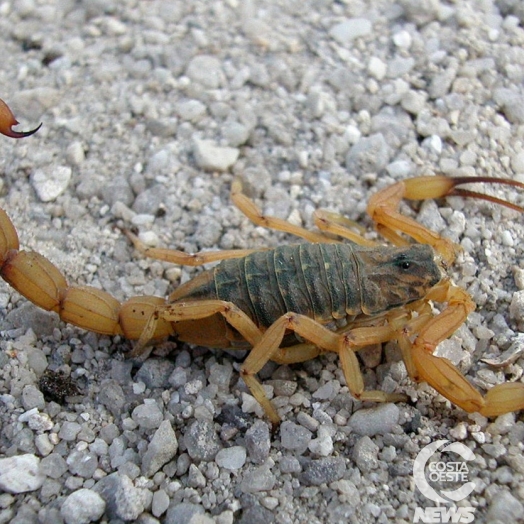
[(440, 373), (342, 226), (383, 208), (183, 311), (268, 348), (195, 310), (326, 221), (186, 259), (253, 212)]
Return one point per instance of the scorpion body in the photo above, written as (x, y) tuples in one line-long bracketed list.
[(326, 282)]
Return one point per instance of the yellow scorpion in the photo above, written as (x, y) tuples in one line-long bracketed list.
[(291, 303)]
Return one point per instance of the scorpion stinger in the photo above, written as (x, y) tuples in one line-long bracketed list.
[(8, 120)]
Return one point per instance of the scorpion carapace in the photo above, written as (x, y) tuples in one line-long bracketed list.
[(290, 303)]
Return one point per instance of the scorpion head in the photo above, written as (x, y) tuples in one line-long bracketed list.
[(392, 277)]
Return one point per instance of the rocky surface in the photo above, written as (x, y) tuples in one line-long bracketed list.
[(150, 110)]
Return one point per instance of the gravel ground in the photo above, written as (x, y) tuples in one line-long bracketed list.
[(149, 110)]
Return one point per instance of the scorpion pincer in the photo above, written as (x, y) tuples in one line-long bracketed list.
[(291, 303)]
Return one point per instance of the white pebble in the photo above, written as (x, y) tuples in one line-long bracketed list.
[(350, 29), (435, 143), (459, 432), (507, 239), (51, 181), (517, 162), (402, 39), (377, 68), (82, 506), (352, 134), (211, 157), (231, 458), (516, 308), (143, 219), (20, 474), (377, 420), (149, 238)]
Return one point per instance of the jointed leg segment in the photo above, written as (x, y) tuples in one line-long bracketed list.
[(345, 344), (439, 372)]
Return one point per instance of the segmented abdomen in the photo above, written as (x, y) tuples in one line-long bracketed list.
[(317, 280)]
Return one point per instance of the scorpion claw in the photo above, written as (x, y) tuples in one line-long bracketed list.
[(8, 120), (427, 187)]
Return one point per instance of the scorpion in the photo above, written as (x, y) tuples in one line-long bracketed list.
[(290, 303)]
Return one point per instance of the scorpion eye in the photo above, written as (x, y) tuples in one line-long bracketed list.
[(403, 263)]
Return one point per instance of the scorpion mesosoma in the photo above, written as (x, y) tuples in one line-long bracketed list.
[(287, 303)]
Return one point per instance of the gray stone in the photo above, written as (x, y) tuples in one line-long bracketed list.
[(258, 441), (20, 474), (160, 502), (123, 499), (155, 372), (82, 463), (368, 155), (505, 508), (378, 420), (202, 441), (365, 454), (231, 458), (512, 104), (82, 506), (112, 396), (32, 397), (53, 466), (294, 437), (161, 449), (148, 415), (69, 431), (322, 471), (258, 479), (182, 513), (346, 31), (191, 110), (236, 134), (206, 70)]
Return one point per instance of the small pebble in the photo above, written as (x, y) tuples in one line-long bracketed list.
[(379, 420), (205, 70), (161, 449), (202, 441), (20, 474), (123, 499), (505, 508), (231, 458), (211, 157), (160, 502), (51, 182), (82, 506), (323, 471), (346, 31), (147, 415), (257, 479), (294, 437), (365, 454)]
